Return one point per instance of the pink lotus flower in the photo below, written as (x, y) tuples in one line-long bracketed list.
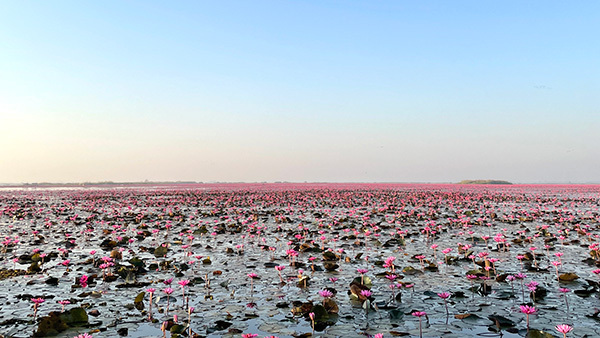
[(83, 281), (444, 295), (564, 329), (183, 283), (528, 310), (168, 291), (326, 293), (391, 277), (279, 268), (84, 335), (366, 293), (419, 314), (63, 303), (36, 304), (252, 276), (362, 274), (389, 263)]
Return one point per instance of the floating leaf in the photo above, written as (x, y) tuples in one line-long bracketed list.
[(139, 299), (330, 256), (409, 270), (396, 314), (161, 251), (399, 334), (320, 312), (330, 266), (330, 305), (501, 321), (568, 277), (538, 334)]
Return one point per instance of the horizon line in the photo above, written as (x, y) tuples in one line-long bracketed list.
[(184, 182)]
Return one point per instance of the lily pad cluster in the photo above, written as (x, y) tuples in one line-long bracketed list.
[(295, 260)]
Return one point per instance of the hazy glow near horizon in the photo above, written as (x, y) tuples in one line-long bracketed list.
[(338, 91)]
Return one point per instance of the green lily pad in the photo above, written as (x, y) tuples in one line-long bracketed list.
[(409, 270), (160, 251), (75, 316)]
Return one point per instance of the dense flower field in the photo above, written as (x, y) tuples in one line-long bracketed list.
[(294, 260)]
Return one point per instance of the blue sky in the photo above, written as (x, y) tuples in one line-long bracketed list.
[(339, 91)]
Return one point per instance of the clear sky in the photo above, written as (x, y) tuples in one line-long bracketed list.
[(338, 91)]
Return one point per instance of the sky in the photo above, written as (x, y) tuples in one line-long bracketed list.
[(317, 91)]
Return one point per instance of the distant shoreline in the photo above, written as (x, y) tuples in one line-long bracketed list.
[(484, 182)]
